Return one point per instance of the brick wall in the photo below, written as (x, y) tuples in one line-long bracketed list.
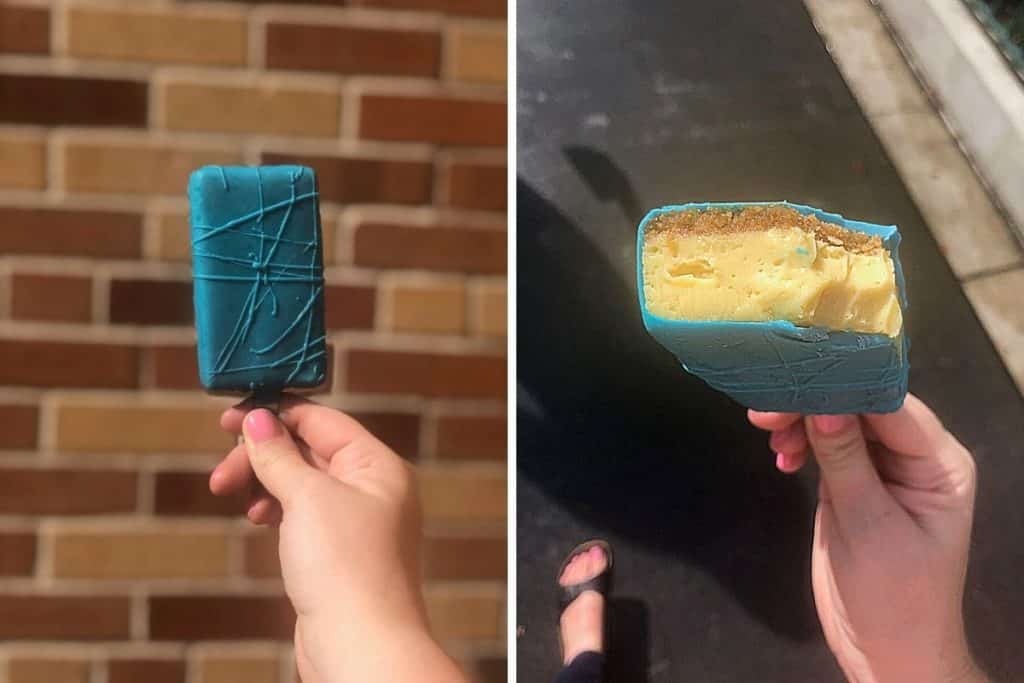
[(116, 564)]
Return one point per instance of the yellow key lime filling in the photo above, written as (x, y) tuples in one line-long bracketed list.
[(761, 264)]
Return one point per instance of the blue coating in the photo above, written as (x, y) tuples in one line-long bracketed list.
[(257, 266), (783, 367)]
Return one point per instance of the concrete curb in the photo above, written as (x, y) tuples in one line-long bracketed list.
[(980, 96)]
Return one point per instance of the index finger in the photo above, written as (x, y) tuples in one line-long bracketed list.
[(771, 422), (325, 430)]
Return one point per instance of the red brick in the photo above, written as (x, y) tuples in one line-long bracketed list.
[(24, 29), (59, 232), (477, 186), (472, 438), (262, 560), (349, 307), (148, 670), (175, 367), (71, 101), (351, 180), (54, 298), (323, 3), (68, 364), (469, 559), (441, 120), (400, 431), (446, 248), (353, 50), (188, 493), (492, 670), (191, 618), (151, 302), (17, 554), (426, 374), (21, 425), (66, 492), (58, 617), (475, 8)]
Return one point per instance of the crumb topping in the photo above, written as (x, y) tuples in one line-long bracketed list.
[(758, 218)]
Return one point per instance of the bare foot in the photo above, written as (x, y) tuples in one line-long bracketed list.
[(583, 620)]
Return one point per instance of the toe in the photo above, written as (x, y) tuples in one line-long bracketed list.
[(584, 566)]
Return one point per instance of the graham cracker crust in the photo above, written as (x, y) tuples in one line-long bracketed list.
[(759, 218)]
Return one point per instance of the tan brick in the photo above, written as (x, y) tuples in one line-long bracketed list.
[(431, 308), (221, 669), (264, 108), (157, 35), (478, 55), (172, 237), (459, 495), (48, 671), (142, 168), (22, 161), (139, 428), (490, 310), (453, 615), (153, 554)]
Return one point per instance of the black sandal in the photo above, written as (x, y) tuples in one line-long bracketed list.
[(601, 584)]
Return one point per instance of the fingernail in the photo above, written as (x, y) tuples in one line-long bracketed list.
[(261, 425), (780, 462), (831, 424)]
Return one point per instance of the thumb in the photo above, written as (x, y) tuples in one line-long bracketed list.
[(275, 458), (853, 484)]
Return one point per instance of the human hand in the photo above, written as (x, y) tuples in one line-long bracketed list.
[(349, 540), (891, 538)]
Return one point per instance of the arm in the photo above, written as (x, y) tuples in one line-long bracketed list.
[(891, 539), (349, 542)]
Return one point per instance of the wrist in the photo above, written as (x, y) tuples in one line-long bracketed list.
[(960, 670), (397, 652), (970, 672)]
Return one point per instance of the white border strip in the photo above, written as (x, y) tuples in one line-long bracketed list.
[(980, 96)]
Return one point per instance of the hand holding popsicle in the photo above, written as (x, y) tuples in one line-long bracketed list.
[(891, 538), (346, 504), (350, 528)]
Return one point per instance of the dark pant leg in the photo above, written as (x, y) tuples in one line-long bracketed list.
[(588, 667)]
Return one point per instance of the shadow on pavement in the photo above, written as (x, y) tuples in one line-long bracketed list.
[(612, 427)]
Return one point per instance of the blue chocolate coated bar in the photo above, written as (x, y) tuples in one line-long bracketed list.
[(779, 366), (257, 263)]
